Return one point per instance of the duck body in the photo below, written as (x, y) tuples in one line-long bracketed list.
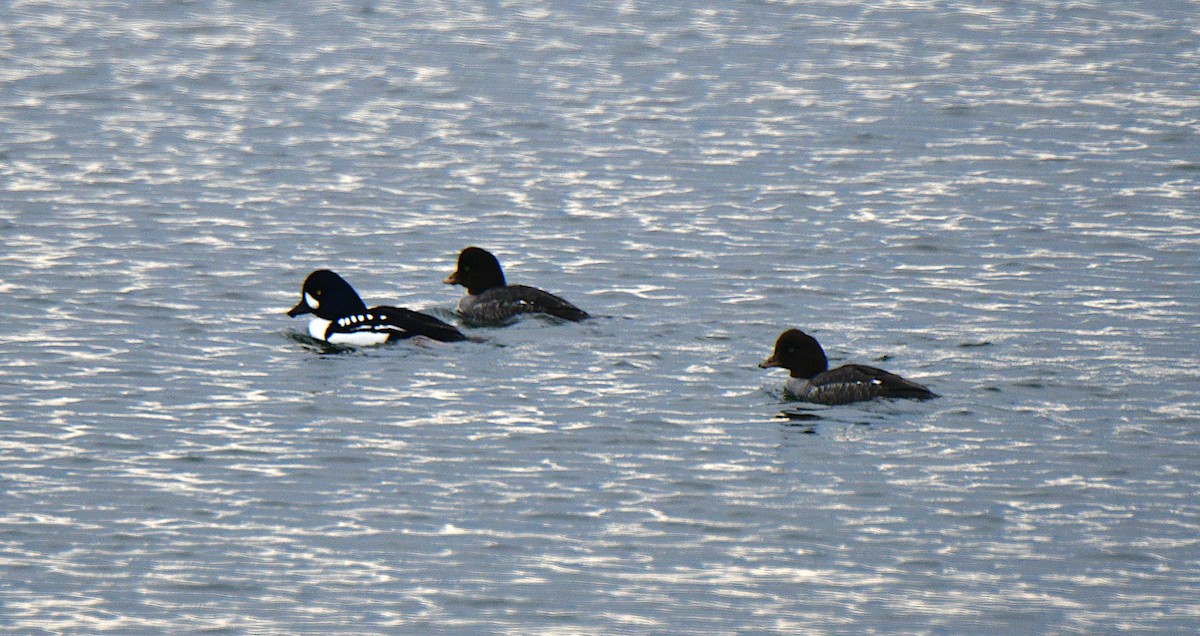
[(491, 300), (340, 317), (812, 380), (853, 383)]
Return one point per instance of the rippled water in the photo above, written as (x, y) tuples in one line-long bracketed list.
[(999, 200)]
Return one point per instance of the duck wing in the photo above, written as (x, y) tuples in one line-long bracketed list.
[(502, 303), (873, 381), (399, 323)]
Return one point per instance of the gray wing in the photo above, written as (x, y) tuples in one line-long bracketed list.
[(885, 383), (499, 305)]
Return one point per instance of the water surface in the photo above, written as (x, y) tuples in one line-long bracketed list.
[(999, 201)]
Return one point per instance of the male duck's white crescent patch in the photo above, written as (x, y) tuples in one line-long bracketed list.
[(313, 303)]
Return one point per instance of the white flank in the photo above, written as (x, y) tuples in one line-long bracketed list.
[(359, 338)]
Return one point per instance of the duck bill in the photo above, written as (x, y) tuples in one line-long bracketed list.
[(768, 363), (302, 308), (452, 279)]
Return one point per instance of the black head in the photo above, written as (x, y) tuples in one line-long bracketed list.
[(799, 353), (328, 296), (478, 271)]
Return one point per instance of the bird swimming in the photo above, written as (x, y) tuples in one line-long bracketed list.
[(341, 317), (812, 380), (491, 300)]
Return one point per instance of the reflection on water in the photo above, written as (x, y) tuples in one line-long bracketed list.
[(995, 200)]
